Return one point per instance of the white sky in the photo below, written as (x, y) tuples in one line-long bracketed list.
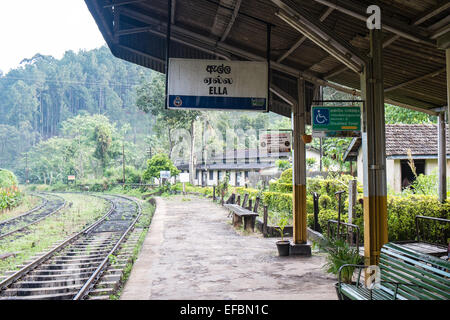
[(48, 27)]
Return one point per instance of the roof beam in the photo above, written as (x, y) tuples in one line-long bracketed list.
[(180, 35), (299, 42), (395, 37), (232, 19), (440, 7), (404, 84), (321, 36), (359, 12), (283, 95)]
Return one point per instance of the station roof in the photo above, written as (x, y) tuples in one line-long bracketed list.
[(414, 65)]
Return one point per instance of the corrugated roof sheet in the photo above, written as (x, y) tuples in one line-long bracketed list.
[(199, 23)]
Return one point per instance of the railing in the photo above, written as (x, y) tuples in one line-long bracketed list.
[(437, 235), (345, 231)]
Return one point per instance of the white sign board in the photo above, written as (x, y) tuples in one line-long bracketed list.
[(274, 142), (184, 177), (164, 174), (217, 84)]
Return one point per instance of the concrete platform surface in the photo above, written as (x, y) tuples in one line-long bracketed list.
[(193, 252)]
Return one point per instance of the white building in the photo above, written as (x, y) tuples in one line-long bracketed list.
[(241, 165), (420, 139)]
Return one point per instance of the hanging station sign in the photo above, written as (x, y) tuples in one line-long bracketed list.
[(217, 85), (336, 121)]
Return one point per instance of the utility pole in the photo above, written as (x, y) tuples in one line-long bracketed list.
[(26, 170), (123, 163)]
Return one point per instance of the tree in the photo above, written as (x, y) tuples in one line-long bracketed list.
[(159, 162), (102, 138), (151, 99)]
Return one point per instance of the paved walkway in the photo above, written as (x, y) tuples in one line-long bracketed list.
[(193, 252)]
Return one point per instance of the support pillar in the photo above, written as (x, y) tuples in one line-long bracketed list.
[(447, 54), (299, 245), (442, 158), (374, 151)]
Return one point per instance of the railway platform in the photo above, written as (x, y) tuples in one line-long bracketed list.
[(192, 252)]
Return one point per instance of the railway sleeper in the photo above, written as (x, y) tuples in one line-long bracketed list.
[(49, 283), (40, 291), (60, 296)]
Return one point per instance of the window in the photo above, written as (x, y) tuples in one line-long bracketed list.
[(220, 175), (246, 174), (238, 179), (211, 175), (196, 174), (408, 176)]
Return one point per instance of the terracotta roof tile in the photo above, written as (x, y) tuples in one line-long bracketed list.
[(421, 139)]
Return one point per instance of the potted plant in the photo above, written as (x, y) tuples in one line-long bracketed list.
[(339, 252), (283, 245)]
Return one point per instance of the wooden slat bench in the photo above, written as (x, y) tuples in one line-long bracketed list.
[(405, 275), (239, 213)]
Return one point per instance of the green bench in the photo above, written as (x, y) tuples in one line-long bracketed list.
[(405, 275)]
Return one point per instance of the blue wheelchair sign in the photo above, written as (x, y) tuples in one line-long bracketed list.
[(321, 116)]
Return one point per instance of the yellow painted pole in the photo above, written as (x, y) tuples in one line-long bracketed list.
[(299, 245), (374, 152)]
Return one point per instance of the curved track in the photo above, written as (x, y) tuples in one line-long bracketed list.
[(70, 270), (51, 204)]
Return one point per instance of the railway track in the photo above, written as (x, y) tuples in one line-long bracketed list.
[(73, 268), (51, 204)]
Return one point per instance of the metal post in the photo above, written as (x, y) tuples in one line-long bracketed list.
[(265, 217), (352, 186), (374, 152), (316, 212), (447, 54), (299, 245), (168, 33), (442, 158), (339, 194)]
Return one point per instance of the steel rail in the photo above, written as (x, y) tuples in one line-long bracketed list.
[(26, 269), (84, 291), (26, 212), (36, 221)]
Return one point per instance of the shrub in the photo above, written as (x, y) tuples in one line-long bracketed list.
[(7, 179), (286, 176), (325, 201), (280, 187), (10, 195), (279, 202)]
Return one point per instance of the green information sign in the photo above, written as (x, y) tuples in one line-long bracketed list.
[(342, 121)]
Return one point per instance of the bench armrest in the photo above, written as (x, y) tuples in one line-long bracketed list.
[(358, 266)]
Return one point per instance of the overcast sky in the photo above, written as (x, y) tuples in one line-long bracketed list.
[(48, 27)]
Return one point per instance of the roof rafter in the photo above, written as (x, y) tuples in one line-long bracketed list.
[(359, 12), (232, 20), (299, 42), (321, 36), (426, 76)]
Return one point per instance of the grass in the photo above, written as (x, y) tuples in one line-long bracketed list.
[(28, 202), (41, 236)]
